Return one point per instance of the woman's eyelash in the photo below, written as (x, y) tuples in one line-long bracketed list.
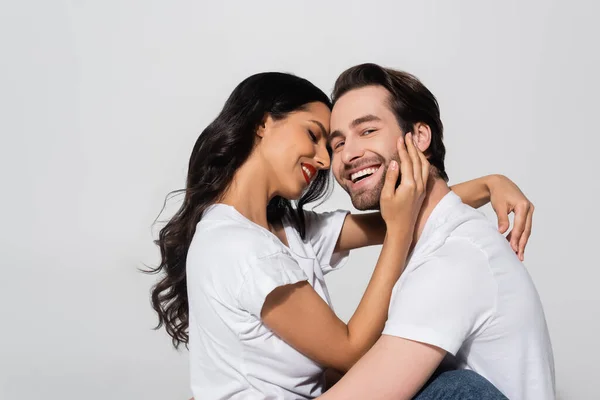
[(312, 136)]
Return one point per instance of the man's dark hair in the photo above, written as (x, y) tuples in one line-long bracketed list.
[(409, 100)]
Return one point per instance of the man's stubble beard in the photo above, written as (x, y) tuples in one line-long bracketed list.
[(369, 199)]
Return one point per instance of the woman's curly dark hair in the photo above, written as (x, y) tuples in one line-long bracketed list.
[(218, 153)]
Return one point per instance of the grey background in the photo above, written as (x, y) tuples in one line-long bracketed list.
[(101, 102)]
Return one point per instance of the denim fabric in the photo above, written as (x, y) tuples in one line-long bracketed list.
[(459, 384)]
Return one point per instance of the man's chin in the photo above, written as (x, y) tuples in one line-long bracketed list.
[(366, 198), (365, 201)]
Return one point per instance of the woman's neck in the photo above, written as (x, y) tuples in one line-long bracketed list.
[(249, 192)]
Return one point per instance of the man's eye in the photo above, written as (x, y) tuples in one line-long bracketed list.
[(368, 132), (312, 136), (338, 145)]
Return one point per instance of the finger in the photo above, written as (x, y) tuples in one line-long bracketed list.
[(509, 238), (503, 222), (526, 234), (391, 177), (406, 167), (424, 167), (519, 225), (411, 147)]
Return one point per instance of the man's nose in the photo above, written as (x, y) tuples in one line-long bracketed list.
[(351, 152)]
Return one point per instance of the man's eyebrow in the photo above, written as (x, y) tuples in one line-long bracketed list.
[(354, 124), (333, 135), (363, 119), (323, 130)]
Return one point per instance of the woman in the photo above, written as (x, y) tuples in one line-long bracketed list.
[(238, 240)]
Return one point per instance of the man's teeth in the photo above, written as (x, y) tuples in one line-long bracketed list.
[(361, 173), (307, 171)]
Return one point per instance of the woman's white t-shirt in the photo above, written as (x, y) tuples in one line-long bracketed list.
[(232, 265)]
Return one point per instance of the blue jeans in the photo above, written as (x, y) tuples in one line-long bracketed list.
[(459, 385)]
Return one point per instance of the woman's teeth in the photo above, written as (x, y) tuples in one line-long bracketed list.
[(363, 172), (307, 172)]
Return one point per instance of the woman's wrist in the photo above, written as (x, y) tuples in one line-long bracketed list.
[(397, 232), (492, 181)]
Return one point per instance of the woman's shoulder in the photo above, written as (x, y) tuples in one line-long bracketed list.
[(226, 255), (228, 239), (318, 223)]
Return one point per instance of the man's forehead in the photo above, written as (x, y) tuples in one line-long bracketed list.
[(356, 103)]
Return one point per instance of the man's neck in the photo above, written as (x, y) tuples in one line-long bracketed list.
[(437, 188)]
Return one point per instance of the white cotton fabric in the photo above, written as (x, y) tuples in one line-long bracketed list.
[(465, 291), (232, 265)]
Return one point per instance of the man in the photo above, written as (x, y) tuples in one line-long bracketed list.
[(464, 300)]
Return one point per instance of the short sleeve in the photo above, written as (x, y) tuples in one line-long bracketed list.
[(323, 231), (445, 299), (265, 275)]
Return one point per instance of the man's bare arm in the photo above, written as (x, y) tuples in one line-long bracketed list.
[(394, 369)]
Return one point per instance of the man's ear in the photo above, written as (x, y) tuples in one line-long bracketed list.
[(422, 136)]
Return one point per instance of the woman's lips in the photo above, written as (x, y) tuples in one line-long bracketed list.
[(309, 172)]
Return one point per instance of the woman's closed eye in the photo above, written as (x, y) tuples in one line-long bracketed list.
[(313, 137)]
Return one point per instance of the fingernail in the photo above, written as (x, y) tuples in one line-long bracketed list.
[(393, 165), (409, 134)]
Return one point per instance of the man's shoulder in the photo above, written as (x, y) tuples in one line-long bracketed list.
[(481, 234), (473, 248), (457, 251), (462, 237), (468, 229)]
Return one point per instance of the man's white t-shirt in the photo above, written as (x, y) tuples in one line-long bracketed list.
[(465, 291), (232, 265)]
